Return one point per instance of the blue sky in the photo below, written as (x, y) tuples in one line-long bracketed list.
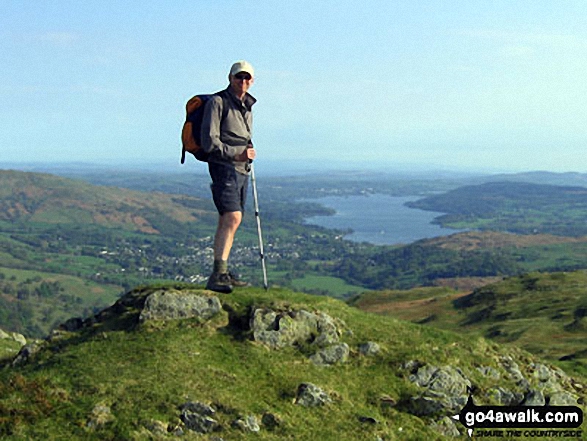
[(491, 85)]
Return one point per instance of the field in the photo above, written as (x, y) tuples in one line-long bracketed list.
[(332, 286)]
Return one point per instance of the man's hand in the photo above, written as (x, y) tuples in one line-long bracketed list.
[(248, 155)]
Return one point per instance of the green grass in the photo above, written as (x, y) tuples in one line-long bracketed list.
[(147, 372), (333, 286)]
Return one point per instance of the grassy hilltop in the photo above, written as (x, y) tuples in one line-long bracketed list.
[(121, 376)]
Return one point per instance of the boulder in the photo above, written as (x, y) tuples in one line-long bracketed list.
[(26, 353), (247, 424), (271, 420), (489, 372), (173, 305), (369, 349), (331, 355), (310, 395), (286, 328), (445, 390), (504, 397), (534, 398), (198, 417)]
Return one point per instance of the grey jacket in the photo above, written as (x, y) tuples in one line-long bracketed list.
[(226, 128)]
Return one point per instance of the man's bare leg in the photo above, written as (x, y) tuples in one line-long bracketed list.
[(228, 224)]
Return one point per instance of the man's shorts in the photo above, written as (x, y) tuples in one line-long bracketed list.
[(229, 188)]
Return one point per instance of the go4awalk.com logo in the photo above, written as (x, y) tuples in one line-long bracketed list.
[(521, 421)]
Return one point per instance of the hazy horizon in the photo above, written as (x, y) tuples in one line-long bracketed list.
[(268, 167)]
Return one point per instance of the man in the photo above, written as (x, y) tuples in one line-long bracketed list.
[(226, 136)]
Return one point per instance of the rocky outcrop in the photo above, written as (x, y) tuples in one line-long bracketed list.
[(174, 305), (278, 329), (318, 331), (444, 390)]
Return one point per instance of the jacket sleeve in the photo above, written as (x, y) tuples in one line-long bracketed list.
[(211, 142)]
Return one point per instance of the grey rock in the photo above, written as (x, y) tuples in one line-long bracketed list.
[(514, 373), (563, 398), (534, 398), (172, 305), (445, 390), (412, 366), (26, 353), (198, 417), (271, 420), (19, 338), (504, 397), (542, 372), (369, 349), (247, 424), (310, 395), (331, 355), (489, 372), (281, 329)]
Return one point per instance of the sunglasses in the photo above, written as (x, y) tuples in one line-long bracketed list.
[(243, 76)]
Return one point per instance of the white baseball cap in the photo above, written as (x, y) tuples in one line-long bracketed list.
[(242, 66)]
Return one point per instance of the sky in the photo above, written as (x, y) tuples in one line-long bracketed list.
[(468, 85)]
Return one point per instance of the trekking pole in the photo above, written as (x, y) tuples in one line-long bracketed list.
[(258, 217)]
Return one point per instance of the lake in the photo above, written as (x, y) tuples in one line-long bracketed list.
[(379, 219)]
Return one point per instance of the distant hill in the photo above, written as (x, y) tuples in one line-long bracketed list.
[(175, 362), (517, 207), (540, 312), (43, 198), (543, 177)]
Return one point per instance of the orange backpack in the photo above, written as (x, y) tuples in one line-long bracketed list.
[(191, 132)]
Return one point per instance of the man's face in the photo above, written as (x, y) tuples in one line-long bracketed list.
[(241, 82)]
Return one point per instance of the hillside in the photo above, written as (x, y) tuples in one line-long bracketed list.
[(70, 248), (518, 207), (177, 362), (541, 313), (42, 198)]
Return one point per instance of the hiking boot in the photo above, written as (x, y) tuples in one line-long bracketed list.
[(235, 281), (219, 282)]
